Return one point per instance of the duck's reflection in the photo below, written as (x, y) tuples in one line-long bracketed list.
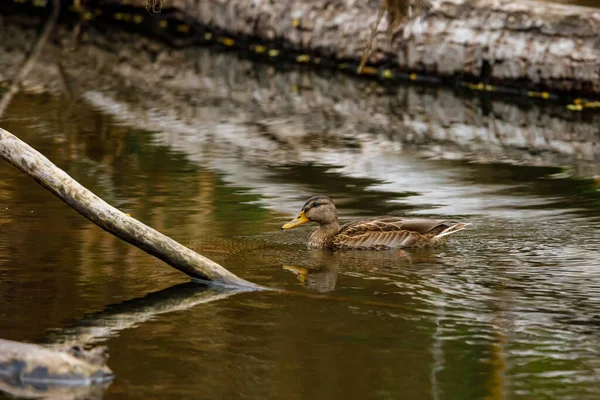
[(322, 272), (321, 280), (321, 268)]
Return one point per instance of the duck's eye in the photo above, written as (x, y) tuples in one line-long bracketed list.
[(315, 204)]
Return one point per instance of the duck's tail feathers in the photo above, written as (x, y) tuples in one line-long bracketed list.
[(453, 228)]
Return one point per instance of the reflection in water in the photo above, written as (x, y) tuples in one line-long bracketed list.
[(510, 308), (322, 274), (320, 280), (42, 391), (96, 327), (437, 351)]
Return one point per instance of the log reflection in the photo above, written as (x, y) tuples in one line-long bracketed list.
[(99, 326)]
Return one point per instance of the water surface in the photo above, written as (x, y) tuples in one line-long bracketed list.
[(510, 308)]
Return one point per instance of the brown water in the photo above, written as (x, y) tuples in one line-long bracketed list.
[(510, 308)]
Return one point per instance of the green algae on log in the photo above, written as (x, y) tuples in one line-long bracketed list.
[(112, 220)]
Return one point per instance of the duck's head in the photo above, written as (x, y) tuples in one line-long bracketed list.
[(319, 209)]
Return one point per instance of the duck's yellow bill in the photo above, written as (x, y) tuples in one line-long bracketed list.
[(299, 220)]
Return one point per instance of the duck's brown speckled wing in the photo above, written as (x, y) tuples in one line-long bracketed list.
[(389, 232)]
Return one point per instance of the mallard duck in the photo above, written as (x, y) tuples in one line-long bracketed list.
[(373, 233)]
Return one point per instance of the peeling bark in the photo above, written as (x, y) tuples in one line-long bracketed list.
[(109, 218), (551, 46)]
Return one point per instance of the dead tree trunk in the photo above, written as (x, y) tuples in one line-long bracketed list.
[(110, 219)]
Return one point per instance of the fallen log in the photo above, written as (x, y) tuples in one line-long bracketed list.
[(547, 46), (523, 43), (112, 220)]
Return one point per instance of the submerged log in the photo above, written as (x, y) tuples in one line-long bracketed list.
[(26, 363), (109, 218), (36, 391), (542, 46)]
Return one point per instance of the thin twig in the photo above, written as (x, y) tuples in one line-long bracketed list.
[(397, 13), (31, 60), (367, 52)]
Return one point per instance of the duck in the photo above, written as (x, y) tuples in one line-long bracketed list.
[(379, 233)]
